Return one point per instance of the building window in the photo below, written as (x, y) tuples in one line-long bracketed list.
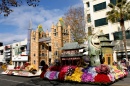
[(34, 62), (101, 22), (56, 53), (42, 54), (127, 34), (89, 31), (1, 52), (99, 6), (49, 48), (113, 2), (42, 46), (88, 18), (55, 33), (118, 35), (109, 60), (54, 30), (88, 5)]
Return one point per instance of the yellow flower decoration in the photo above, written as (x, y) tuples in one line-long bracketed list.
[(76, 76)]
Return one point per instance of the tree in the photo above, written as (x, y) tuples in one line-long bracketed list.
[(120, 12), (74, 17), (6, 4)]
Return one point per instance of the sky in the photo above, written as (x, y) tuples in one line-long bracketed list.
[(15, 26)]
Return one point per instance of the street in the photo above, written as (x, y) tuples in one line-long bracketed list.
[(6, 80)]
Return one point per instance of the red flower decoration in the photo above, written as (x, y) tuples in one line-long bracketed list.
[(55, 68), (102, 69), (102, 78)]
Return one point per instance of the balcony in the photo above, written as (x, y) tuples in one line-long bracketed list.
[(7, 59), (7, 51)]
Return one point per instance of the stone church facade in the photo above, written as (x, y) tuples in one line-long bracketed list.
[(46, 46)]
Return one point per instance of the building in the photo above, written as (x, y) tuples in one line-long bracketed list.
[(15, 53), (95, 15), (60, 34), (71, 55), (8, 53), (45, 46), (2, 60), (19, 54), (38, 50)]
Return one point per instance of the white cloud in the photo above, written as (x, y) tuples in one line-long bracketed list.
[(9, 37), (21, 17)]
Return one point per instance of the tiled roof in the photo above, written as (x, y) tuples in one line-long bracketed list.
[(73, 45)]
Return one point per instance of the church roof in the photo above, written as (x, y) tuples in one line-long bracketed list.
[(61, 22)]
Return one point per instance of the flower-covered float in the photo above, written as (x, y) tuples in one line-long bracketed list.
[(20, 64), (26, 69), (97, 67)]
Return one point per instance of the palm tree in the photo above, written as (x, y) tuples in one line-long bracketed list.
[(120, 12)]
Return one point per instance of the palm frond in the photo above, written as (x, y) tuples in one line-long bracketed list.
[(128, 4), (111, 5), (112, 18), (128, 16), (108, 13), (119, 1), (124, 2), (119, 5)]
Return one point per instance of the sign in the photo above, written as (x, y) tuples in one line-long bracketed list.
[(20, 58)]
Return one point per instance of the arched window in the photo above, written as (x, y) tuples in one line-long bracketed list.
[(34, 62)]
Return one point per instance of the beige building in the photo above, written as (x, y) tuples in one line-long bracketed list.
[(45, 46)]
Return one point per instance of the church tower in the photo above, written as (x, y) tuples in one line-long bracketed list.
[(60, 34), (35, 46)]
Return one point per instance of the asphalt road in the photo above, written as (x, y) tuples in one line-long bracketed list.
[(6, 80), (34, 81)]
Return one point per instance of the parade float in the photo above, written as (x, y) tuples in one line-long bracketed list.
[(26, 70), (20, 65), (97, 67)]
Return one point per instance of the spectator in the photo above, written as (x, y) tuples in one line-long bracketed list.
[(43, 69)]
